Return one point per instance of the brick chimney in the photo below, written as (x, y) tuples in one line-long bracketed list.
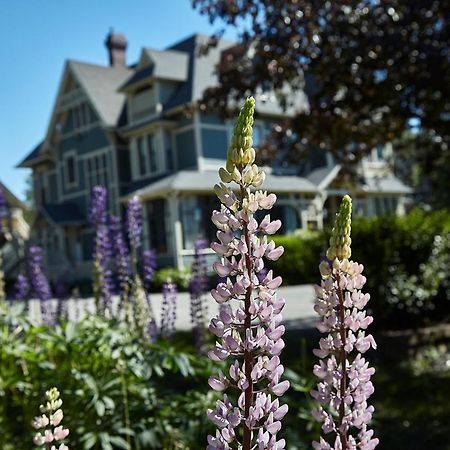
[(117, 46)]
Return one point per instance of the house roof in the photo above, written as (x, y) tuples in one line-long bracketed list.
[(202, 75), (170, 65), (11, 199), (32, 156), (389, 184), (195, 181), (322, 176), (63, 214), (101, 84)]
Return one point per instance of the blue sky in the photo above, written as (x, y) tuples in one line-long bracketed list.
[(36, 36)]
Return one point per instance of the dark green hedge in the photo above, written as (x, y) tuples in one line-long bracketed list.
[(406, 260), (301, 258)]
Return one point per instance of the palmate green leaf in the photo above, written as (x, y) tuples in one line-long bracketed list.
[(119, 442), (105, 441), (89, 440), (70, 331), (184, 364), (100, 408)]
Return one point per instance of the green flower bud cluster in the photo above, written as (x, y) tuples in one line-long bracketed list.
[(340, 235), (240, 152), (53, 401)]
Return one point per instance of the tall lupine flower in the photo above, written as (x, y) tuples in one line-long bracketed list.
[(168, 309), (51, 433), (121, 253), (248, 326), (21, 287), (198, 287), (344, 386), (40, 287), (139, 311), (149, 269), (134, 223), (103, 286)]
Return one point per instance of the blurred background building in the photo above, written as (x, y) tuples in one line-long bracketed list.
[(126, 127)]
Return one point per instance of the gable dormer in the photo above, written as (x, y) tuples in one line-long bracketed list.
[(157, 75)]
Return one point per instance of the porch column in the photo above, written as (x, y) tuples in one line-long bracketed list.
[(176, 229)]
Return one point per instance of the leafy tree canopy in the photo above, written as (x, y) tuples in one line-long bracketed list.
[(370, 68)]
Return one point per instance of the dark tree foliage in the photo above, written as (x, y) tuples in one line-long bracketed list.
[(368, 67)]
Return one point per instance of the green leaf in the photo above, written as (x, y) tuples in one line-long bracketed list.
[(119, 442), (100, 408)]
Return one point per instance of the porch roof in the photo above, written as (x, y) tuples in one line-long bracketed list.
[(63, 214), (203, 182), (389, 184)]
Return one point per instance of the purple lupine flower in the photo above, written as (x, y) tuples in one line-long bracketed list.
[(149, 269), (21, 287), (344, 375), (134, 222), (248, 327), (148, 266), (169, 309), (40, 287), (97, 210), (198, 287), (121, 252), (103, 283)]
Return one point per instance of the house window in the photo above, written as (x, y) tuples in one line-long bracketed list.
[(151, 149), (156, 217), (142, 160), (97, 170), (70, 167), (168, 150), (257, 135), (70, 170), (81, 116), (146, 157)]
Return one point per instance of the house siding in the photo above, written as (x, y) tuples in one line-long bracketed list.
[(84, 142)]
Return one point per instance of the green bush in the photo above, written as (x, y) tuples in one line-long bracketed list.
[(301, 258), (406, 260), (179, 277), (405, 265), (119, 392)]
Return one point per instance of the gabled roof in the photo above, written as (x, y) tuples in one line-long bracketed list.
[(11, 199), (323, 176), (202, 74), (169, 65), (32, 157), (101, 84), (389, 185)]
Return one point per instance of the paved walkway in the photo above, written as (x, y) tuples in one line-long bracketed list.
[(298, 311)]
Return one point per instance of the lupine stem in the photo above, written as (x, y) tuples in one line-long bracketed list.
[(343, 357), (248, 357)]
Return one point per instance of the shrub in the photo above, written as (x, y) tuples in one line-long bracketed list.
[(400, 256), (302, 254), (179, 277)]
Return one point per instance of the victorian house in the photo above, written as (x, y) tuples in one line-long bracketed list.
[(125, 127)]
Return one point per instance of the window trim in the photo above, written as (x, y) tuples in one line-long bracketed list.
[(76, 182), (160, 162)]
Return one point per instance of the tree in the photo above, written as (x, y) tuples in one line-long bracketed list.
[(369, 68)]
